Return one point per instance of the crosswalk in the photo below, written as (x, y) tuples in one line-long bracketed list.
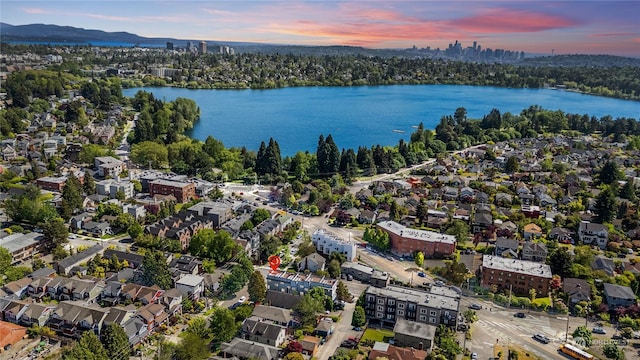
[(521, 327)]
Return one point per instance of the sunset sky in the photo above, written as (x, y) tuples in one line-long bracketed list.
[(593, 27)]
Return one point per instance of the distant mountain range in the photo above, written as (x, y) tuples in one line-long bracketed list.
[(69, 34)]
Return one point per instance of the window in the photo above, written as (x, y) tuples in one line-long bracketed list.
[(400, 305), (380, 308), (423, 318), (390, 316), (432, 313), (400, 313), (371, 298), (432, 320), (380, 301), (391, 302), (423, 311)]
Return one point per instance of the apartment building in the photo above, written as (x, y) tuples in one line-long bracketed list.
[(383, 306), (518, 275), (327, 243), (297, 283), (406, 241), (182, 191)]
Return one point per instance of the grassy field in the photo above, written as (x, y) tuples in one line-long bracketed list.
[(502, 350), (542, 300), (377, 335)]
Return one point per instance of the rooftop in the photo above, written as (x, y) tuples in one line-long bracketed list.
[(18, 241), (422, 298), (164, 182), (422, 235), (516, 266), (299, 277)]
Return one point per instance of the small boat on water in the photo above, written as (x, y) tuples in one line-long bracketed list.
[(415, 126), (398, 131)]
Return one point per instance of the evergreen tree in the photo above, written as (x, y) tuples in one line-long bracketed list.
[(322, 155), (116, 342), (261, 159), (71, 196), (628, 191), (257, 287), (273, 164), (606, 205), (333, 156), (609, 173), (89, 185), (155, 270), (55, 232)]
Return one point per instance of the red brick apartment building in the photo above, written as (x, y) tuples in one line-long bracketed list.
[(182, 191), (519, 275), (406, 241)]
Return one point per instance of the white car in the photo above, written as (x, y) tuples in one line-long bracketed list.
[(474, 356), (242, 299)]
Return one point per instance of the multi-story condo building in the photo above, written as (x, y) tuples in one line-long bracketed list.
[(383, 306), (515, 275), (406, 241), (298, 283), (182, 191), (327, 243)]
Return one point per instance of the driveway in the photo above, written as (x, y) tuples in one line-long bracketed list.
[(342, 331)]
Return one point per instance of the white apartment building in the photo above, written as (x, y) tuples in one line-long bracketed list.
[(327, 243)]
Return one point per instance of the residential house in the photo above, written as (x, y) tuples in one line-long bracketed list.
[(593, 233), (12, 310), (136, 330), (191, 286), (153, 315), (36, 314), (604, 264), (282, 300), (366, 274), (37, 289), (248, 350), (577, 290), (254, 329), (65, 265), (312, 262), (100, 229), (481, 220), (310, 345), (134, 260), (276, 315), (532, 231), (186, 264), (562, 235), (17, 288), (415, 335), (172, 301), (383, 350), (71, 319), (534, 251), (506, 248), (324, 328), (11, 334), (618, 295)]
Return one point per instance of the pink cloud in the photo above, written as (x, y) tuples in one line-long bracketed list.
[(34, 10), (511, 21), (618, 34)]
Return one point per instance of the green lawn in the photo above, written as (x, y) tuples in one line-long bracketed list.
[(377, 335), (542, 300)]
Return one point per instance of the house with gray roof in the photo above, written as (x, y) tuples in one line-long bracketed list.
[(64, 266), (618, 295), (254, 329), (414, 334), (312, 262), (246, 349), (274, 314)]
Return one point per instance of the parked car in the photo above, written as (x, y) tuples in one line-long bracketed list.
[(421, 274), (357, 328), (520, 315), (599, 330), (349, 277), (475, 306), (542, 338), (439, 282), (242, 299), (474, 356)]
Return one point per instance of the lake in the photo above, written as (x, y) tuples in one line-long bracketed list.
[(362, 116)]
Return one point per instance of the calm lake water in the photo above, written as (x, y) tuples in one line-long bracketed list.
[(362, 116)]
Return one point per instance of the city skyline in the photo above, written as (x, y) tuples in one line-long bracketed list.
[(568, 27)]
